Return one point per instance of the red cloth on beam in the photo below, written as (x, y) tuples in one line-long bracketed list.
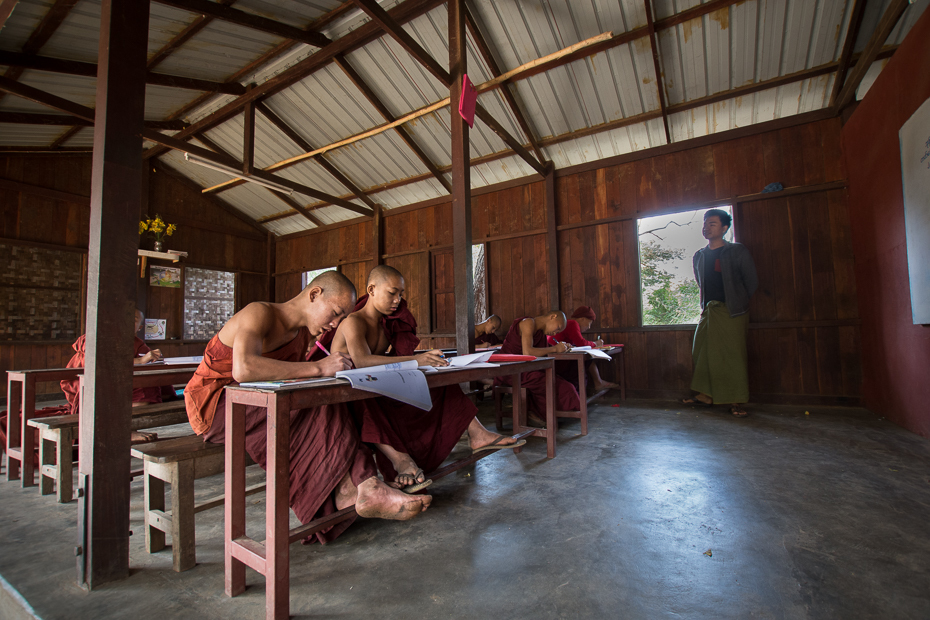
[(324, 444), (427, 436), (71, 388), (567, 398)]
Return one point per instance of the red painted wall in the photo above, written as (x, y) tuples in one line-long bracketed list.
[(895, 352)]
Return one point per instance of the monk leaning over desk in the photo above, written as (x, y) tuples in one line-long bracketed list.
[(409, 440), (330, 469), (527, 336)]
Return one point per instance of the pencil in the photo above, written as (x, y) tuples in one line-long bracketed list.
[(322, 348)]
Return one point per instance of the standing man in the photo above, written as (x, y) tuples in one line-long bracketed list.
[(727, 278)]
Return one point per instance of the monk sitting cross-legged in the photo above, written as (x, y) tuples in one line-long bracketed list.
[(409, 440), (527, 336), (330, 469)]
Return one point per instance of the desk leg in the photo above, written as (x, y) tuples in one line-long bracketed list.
[(583, 393), (235, 494), (14, 393), (518, 414), (622, 365), (551, 424), (28, 433), (277, 545)]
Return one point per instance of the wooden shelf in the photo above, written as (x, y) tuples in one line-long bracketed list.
[(172, 256)]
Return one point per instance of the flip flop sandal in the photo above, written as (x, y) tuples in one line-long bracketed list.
[(695, 402), (496, 445), (413, 488), (739, 412)]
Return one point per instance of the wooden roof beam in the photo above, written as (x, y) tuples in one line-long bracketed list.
[(52, 19), (297, 139), (298, 208), (249, 20), (356, 39), (885, 25), (199, 23), (852, 33), (353, 75), (30, 118), (88, 69), (509, 96), (660, 81), (400, 35)]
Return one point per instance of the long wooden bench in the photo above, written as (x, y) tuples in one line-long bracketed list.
[(178, 461), (56, 435)]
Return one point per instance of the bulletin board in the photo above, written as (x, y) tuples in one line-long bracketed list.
[(915, 171)]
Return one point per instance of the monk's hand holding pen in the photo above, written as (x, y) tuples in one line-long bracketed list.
[(432, 358), (332, 364)]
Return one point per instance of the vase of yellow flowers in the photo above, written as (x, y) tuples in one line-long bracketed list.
[(158, 229)]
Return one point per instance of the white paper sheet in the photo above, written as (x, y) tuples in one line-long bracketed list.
[(591, 352), (401, 381)]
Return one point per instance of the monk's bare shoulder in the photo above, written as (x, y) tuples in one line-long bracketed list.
[(258, 317)]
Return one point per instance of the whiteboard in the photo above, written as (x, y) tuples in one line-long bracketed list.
[(915, 171)]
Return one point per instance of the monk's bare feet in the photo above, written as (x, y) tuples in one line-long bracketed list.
[(480, 437), (605, 385), (407, 471), (138, 437), (377, 500)]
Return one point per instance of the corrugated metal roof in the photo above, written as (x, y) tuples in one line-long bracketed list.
[(743, 44)]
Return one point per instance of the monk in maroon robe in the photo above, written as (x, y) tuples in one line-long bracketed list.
[(330, 469), (409, 440), (486, 332), (581, 321), (140, 396), (527, 336)]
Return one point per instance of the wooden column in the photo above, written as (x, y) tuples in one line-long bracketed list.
[(103, 506), (461, 187), (269, 285), (552, 240)]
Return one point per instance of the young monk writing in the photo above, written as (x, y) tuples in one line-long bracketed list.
[(582, 319), (527, 336), (486, 332), (409, 440), (330, 469), (140, 396)]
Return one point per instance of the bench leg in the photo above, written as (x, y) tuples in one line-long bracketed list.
[(48, 452), (183, 543), (64, 473), (13, 416), (154, 500)]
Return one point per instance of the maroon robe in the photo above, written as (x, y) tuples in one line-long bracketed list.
[(427, 436), (72, 387), (324, 444), (567, 398), (488, 340)]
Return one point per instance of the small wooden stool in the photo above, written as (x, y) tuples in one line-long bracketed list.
[(499, 391), (179, 461), (56, 457)]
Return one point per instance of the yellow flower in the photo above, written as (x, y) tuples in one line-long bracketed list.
[(142, 227), (170, 230)]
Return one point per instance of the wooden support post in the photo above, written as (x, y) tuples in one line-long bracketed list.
[(248, 137), (461, 187), (552, 241), (269, 286), (103, 522)]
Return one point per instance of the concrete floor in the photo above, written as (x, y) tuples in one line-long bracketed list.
[(662, 511)]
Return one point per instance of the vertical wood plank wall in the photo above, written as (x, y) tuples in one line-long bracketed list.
[(804, 331), (212, 238)]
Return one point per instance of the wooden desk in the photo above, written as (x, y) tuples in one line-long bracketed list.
[(619, 370), (21, 401), (272, 558), (582, 414)]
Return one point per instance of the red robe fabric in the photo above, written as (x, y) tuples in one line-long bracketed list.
[(71, 388), (427, 436), (567, 398), (324, 442), (488, 340), (572, 335)]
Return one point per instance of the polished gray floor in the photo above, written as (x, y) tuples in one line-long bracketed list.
[(662, 511)]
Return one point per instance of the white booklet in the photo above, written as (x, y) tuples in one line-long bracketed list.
[(472, 360), (401, 381), (592, 352)]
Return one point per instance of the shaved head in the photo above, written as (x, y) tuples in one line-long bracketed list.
[(333, 283), (383, 273)]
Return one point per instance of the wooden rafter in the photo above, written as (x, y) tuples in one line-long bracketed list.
[(353, 75), (31, 118), (298, 209), (248, 138), (394, 29), (182, 37), (297, 139), (6, 9), (88, 69), (356, 39), (852, 33), (887, 23), (52, 19), (63, 138), (660, 80), (249, 20), (509, 96)]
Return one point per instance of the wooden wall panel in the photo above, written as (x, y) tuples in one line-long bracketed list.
[(415, 269)]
